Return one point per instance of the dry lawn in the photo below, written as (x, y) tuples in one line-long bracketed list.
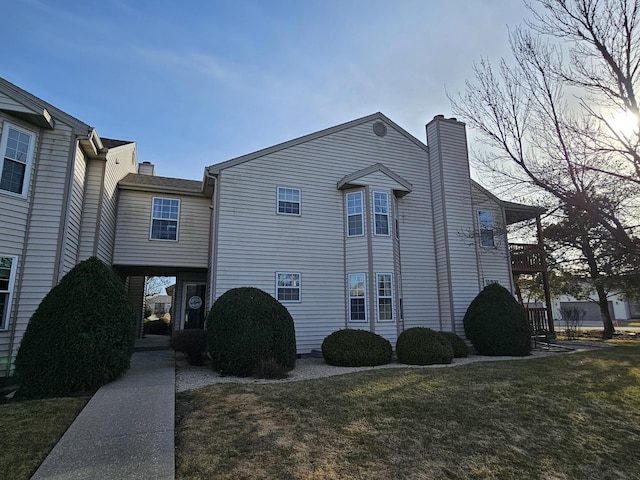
[(573, 416), (30, 429)]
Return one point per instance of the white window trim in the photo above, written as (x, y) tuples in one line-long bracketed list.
[(493, 229), (29, 163), (378, 297), (4, 322), (299, 287), (349, 297), (278, 212), (153, 201), (373, 212), (346, 208)]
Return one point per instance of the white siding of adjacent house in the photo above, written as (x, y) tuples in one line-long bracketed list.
[(254, 242), (133, 246), (454, 224), (493, 261)]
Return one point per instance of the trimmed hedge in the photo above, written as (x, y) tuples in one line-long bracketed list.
[(459, 346), (191, 342), (80, 337), (246, 325), (423, 346), (356, 348), (496, 324)]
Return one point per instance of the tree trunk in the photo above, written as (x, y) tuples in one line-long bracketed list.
[(603, 303)]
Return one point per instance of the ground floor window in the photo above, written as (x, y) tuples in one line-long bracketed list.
[(357, 297), (288, 287), (8, 267), (384, 287)]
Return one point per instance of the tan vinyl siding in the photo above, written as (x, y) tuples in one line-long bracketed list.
[(74, 213), (133, 246), (120, 162), (254, 242), (493, 261), (91, 208), (10, 104), (454, 225)]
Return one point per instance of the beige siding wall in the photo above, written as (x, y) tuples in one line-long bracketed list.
[(493, 261), (74, 221), (458, 264), (120, 162), (47, 198), (91, 208), (254, 242), (133, 246)]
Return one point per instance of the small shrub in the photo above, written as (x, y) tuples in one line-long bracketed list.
[(193, 343), (459, 346), (356, 348), (572, 318), (496, 324), (155, 327), (423, 346), (80, 337), (269, 368), (246, 325)]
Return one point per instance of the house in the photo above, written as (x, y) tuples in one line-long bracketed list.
[(58, 189), (159, 304), (360, 225)]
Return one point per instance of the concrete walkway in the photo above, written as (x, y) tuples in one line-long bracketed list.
[(126, 431)]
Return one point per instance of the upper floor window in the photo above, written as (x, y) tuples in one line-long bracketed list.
[(485, 225), (164, 219), (381, 213), (288, 287), (355, 224), (8, 267), (384, 286), (16, 146), (357, 297), (289, 200)]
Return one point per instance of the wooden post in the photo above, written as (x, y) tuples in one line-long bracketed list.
[(545, 277)]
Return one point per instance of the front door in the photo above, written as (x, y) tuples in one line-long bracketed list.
[(193, 301)]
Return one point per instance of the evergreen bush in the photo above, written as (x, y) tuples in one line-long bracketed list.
[(191, 342), (496, 324), (356, 348), (423, 346), (80, 337), (459, 346), (246, 325)]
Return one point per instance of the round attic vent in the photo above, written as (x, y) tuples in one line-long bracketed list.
[(380, 129)]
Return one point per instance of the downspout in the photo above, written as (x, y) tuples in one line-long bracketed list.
[(213, 238)]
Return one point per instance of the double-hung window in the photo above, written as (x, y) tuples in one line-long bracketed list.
[(8, 267), (16, 147), (357, 297), (485, 225), (384, 287), (289, 200), (164, 219), (381, 213), (288, 287), (355, 223)]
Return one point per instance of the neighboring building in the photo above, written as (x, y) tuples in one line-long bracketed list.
[(619, 309), (360, 225), (159, 304)]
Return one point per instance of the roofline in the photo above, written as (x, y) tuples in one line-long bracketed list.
[(159, 189), (218, 167), (376, 167), (35, 103), (533, 210)]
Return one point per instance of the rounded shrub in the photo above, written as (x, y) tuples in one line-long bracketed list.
[(459, 346), (245, 326), (191, 342), (496, 324), (80, 337), (356, 348), (423, 346)]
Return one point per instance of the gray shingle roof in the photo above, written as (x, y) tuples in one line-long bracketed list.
[(135, 181), (112, 143)]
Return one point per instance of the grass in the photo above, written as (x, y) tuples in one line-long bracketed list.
[(563, 417), (30, 429)]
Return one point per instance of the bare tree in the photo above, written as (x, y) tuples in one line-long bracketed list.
[(546, 117)]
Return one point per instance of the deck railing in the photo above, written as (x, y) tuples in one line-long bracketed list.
[(538, 321), (526, 257)]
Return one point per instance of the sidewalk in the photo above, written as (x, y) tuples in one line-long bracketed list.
[(126, 431)]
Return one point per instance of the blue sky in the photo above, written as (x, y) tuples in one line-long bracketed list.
[(199, 82)]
